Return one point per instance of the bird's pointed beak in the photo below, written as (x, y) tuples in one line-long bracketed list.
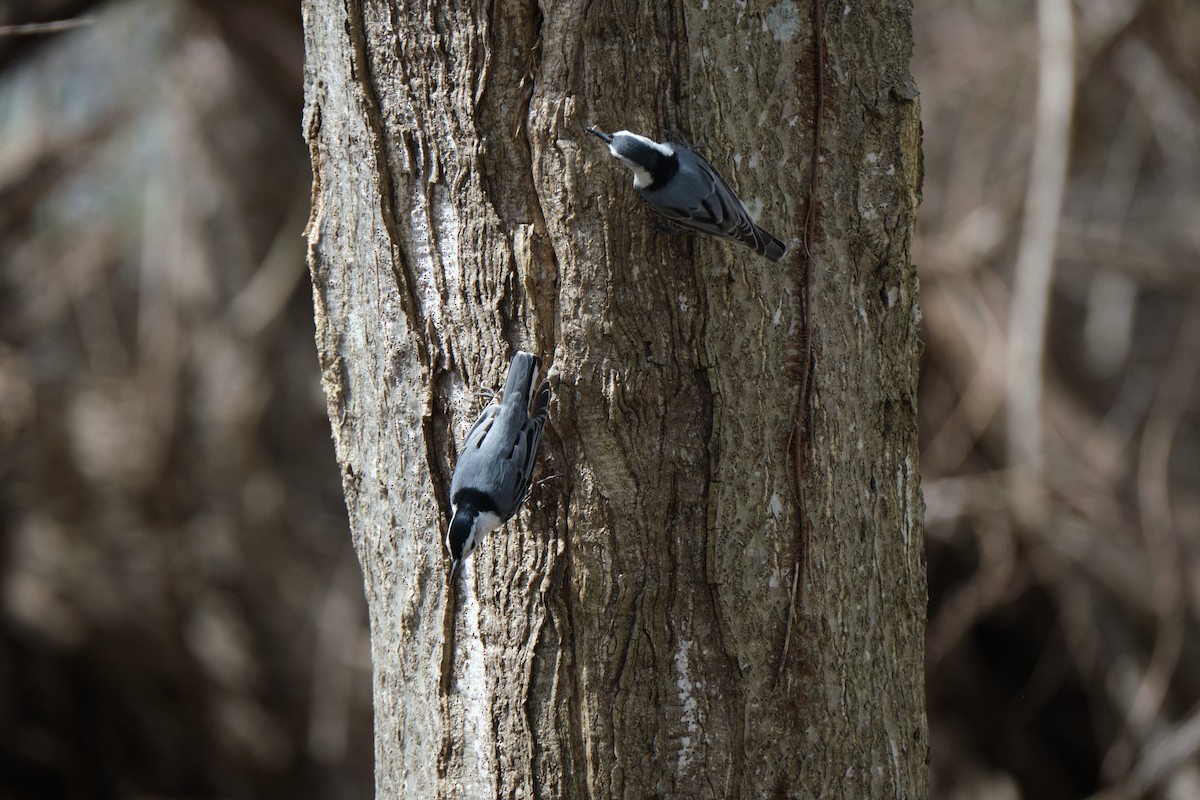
[(599, 134)]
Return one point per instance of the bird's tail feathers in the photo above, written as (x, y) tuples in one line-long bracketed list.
[(767, 245), (775, 249), (541, 403), (522, 375)]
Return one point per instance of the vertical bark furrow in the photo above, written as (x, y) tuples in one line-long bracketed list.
[(375, 127)]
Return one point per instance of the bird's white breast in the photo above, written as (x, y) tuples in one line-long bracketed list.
[(485, 523), (641, 178)]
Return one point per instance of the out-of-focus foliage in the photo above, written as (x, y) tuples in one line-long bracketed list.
[(1063, 657), (181, 612)]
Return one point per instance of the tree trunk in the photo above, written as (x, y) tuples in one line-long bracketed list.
[(639, 630)]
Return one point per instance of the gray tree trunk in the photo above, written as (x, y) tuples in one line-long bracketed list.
[(639, 630)]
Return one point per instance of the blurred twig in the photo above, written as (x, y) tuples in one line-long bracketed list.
[(41, 28), (1035, 256), (273, 283), (1162, 542), (1166, 754)]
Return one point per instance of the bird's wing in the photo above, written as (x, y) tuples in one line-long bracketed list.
[(523, 453), (499, 454), (474, 443), (483, 425), (719, 212)]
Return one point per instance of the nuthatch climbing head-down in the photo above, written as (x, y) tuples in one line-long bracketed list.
[(495, 465)]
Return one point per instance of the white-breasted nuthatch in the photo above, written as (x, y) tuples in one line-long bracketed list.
[(495, 465), (681, 185)]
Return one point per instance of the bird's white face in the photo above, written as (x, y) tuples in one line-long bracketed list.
[(476, 529), (627, 142), (485, 523), (641, 178)]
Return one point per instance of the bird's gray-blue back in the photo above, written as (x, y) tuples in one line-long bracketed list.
[(497, 456)]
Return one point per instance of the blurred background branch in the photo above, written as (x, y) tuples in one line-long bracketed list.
[(34, 28), (1034, 269)]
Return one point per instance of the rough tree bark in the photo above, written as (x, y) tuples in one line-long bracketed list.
[(639, 630)]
